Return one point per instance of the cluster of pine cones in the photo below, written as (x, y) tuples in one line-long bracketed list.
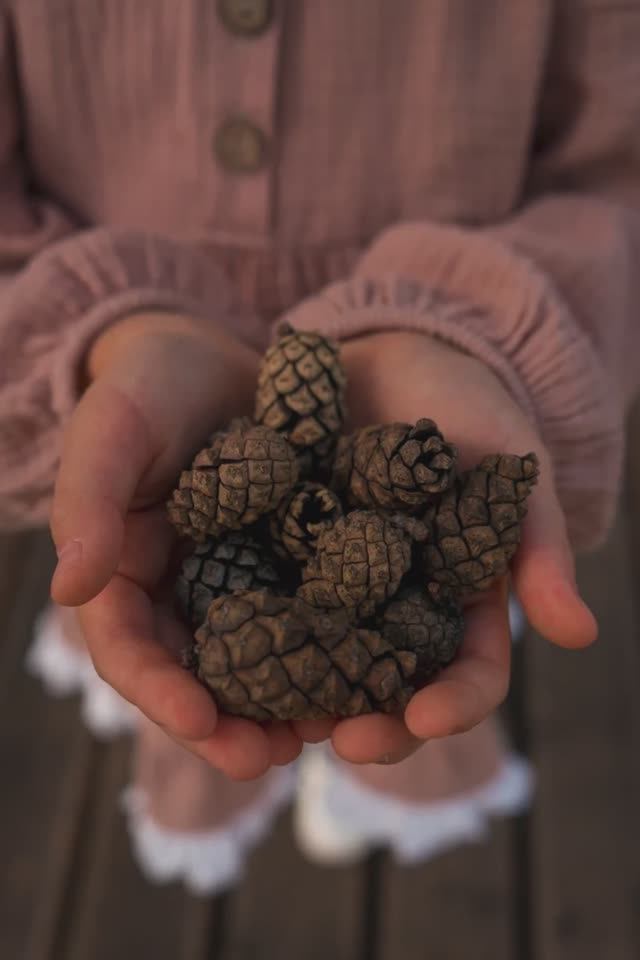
[(328, 569)]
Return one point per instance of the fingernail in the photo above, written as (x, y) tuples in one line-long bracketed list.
[(70, 552), (388, 759)]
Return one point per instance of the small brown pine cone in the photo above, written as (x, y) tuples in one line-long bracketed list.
[(219, 567), (475, 528), (412, 621), (302, 516), (360, 562), (394, 467), (301, 392), (232, 482), (267, 657)]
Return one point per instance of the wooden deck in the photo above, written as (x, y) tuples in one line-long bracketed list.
[(560, 884)]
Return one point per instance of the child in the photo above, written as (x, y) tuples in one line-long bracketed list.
[(453, 190)]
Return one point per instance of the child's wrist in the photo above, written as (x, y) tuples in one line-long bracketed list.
[(129, 333), (178, 353)]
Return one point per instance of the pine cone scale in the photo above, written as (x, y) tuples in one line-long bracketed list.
[(335, 670), (238, 562), (301, 390), (430, 634), (233, 481), (480, 540), (395, 467), (360, 562), (475, 529)]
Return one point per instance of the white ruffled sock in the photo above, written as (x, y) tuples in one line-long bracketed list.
[(338, 819), (206, 861), (64, 670)]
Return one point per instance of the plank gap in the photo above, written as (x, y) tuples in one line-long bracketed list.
[(51, 912), (372, 906), (218, 912), (81, 854), (585, 723), (522, 889), (27, 569)]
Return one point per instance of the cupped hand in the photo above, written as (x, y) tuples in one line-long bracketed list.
[(406, 376), (158, 385)]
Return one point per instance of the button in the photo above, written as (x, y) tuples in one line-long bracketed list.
[(245, 17), (241, 147)]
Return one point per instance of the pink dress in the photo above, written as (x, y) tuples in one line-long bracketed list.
[(467, 170)]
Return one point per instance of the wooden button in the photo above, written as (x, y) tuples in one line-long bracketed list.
[(245, 17), (240, 146)]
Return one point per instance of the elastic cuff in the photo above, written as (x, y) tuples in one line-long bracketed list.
[(56, 308), (99, 276), (360, 307), (473, 290)]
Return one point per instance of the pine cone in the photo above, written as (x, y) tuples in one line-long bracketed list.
[(360, 562), (475, 528), (302, 516), (412, 621), (301, 389), (267, 657), (232, 482), (396, 467), (220, 567)]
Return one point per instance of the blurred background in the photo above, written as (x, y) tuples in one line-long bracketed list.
[(562, 883)]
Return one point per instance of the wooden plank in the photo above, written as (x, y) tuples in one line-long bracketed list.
[(13, 552), (202, 928), (454, 907), (68, 886), (114, 911), (45, 760), (585, 735), (421, 907), (26, 563), (286, 907)]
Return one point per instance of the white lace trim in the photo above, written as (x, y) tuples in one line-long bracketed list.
[(64, 671), (206, 861), (416, 832)]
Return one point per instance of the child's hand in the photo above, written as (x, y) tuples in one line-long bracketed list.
[(160, 385), (405, 376)]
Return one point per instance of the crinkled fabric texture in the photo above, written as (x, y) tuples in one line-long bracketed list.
[(479, 293), (516, 224)]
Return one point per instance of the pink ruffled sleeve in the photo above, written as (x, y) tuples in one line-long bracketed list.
[(550, 298), (59, 287)]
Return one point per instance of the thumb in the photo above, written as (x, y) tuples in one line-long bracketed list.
[(544, 575), (106, 450), (149, 408)]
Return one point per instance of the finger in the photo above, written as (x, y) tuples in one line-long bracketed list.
[(376, 738), (476, 683), (543, 573), (148, 542), (106, 450), (284, 744), (314, 731), (238, 748), (122, 638)]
